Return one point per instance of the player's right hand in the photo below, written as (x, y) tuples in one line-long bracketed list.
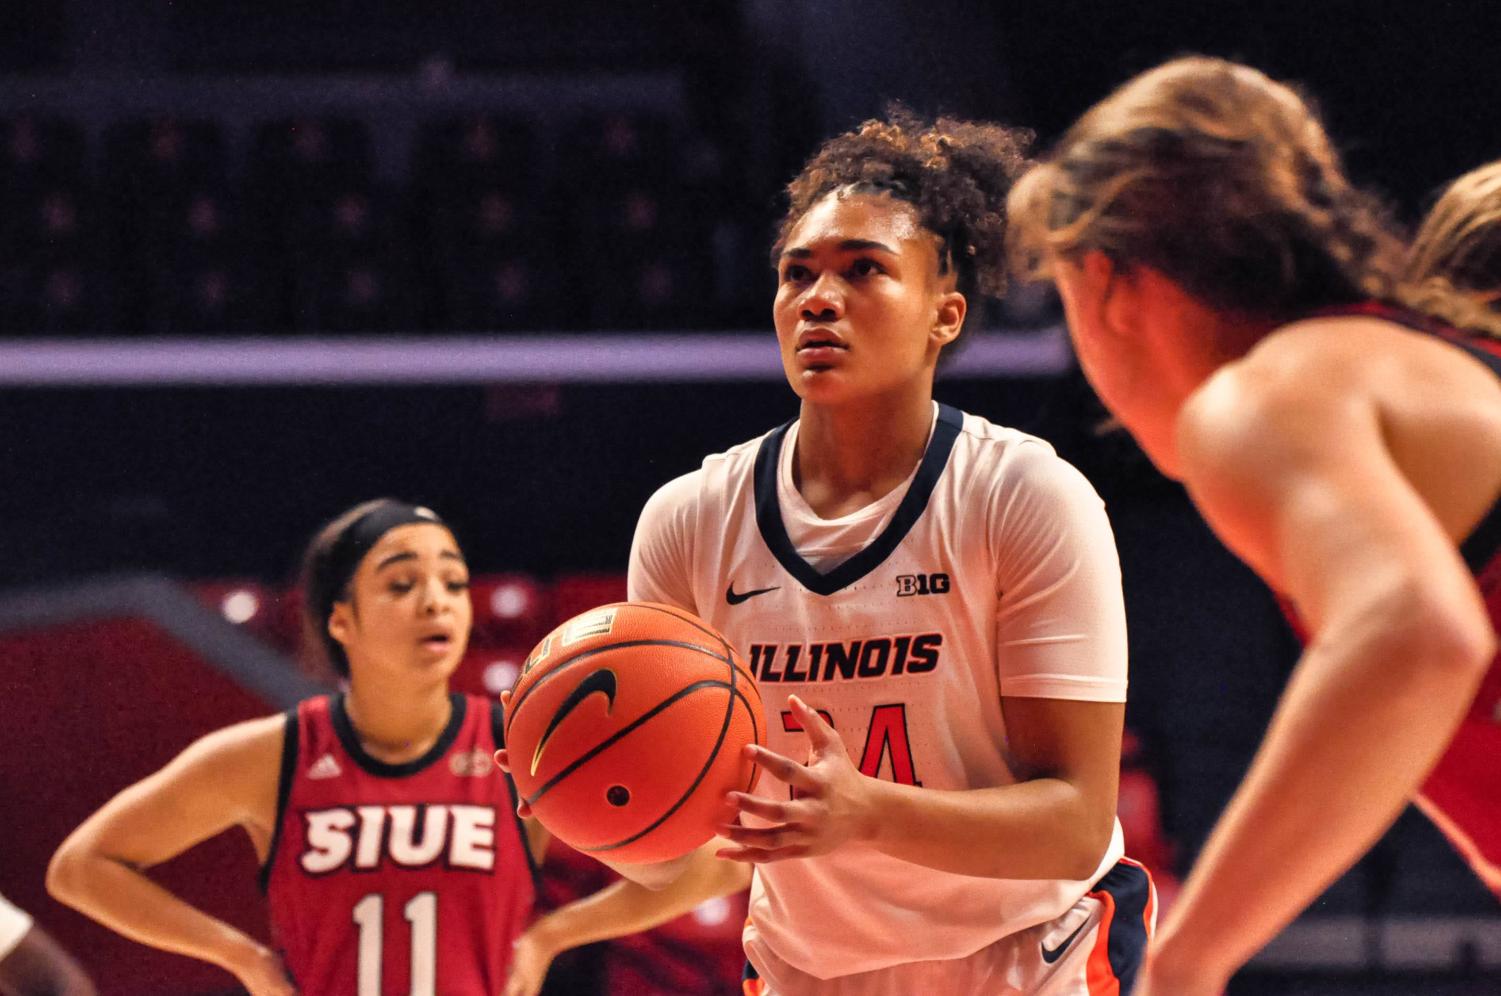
[(265, 975)]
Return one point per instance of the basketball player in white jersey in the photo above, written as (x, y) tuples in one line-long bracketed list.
[(931, 605), (32, 963)]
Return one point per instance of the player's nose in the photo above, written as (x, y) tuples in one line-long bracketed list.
[(823, 301)]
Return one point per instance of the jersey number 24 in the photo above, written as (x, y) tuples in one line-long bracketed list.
[(885, 737)]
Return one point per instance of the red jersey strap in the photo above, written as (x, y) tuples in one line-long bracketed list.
[(283, 793)]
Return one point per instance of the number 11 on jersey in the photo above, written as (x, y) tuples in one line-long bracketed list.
[(422, 913)]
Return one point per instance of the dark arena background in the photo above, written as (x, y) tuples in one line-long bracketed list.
[(260, 261)]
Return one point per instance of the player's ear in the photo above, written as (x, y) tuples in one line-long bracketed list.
[(341, 622), (948, 317), (1117, 289)]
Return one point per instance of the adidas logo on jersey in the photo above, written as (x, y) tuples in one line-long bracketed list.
[(325, 767), (840, 661)]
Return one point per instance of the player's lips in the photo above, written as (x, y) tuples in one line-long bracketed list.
[(438, 640), (819, 338), (820, 346)]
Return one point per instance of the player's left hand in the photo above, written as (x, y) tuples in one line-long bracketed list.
[(832, 807), (530, 958)]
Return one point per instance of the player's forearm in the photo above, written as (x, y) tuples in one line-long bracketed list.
[(1039, 829), (625, 907), (1360, 726), (131, 904)]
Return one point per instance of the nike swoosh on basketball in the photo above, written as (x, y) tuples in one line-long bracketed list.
[(602, 681), (736, 597), (1056, 953)]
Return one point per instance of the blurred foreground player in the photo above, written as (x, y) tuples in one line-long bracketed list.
[(941, 594), (1232, 299)]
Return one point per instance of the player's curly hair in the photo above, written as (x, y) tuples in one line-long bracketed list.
[(956, 174), (1219, 177)]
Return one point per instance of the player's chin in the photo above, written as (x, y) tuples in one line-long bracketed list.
[(824, 384), (428, 666)]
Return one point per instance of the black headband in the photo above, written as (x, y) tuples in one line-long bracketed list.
[(358, 538)]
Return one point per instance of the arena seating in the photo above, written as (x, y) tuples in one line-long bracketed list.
[(165, 225)]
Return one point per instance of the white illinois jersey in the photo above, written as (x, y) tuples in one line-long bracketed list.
[(991, 573)]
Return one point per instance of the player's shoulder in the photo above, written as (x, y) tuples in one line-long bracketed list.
[(242, 754), (718, 474), (1004, 458), (1292, 396)]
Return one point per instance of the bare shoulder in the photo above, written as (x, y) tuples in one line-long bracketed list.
[(254, 742), (241, 761), (1241, 421), (1367, 352)]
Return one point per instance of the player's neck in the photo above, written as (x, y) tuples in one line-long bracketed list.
[(1197, 349), (851, 455), (396, 726)]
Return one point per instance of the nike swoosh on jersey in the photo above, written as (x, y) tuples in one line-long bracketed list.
[(1056, 953), (736, 597), (602, 681)]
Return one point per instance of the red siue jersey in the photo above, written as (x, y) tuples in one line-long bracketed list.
[(1462, 795), (396, 879)]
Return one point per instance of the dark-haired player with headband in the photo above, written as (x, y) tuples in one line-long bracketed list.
[(391, 853), (1237, 304), (932, 608)]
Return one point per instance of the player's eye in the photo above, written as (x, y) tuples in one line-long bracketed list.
[(794, 273), (865, 267), (401, 586), (457, 585)]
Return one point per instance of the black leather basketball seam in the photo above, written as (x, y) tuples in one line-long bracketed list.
[(562, 665), (735, 694), (624, 731)]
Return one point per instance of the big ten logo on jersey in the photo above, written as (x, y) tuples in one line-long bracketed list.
[(873, 657), (365, 838), (921, 584)]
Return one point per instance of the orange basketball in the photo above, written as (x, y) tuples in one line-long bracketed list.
[(625, 731)]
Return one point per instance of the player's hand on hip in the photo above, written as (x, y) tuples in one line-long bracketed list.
[(263, 974), (832, 803), (530, 959)]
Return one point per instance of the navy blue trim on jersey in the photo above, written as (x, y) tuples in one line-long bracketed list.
[(498, 736), (344, 729), (1131, 888), (914, 503), (288, 772)]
